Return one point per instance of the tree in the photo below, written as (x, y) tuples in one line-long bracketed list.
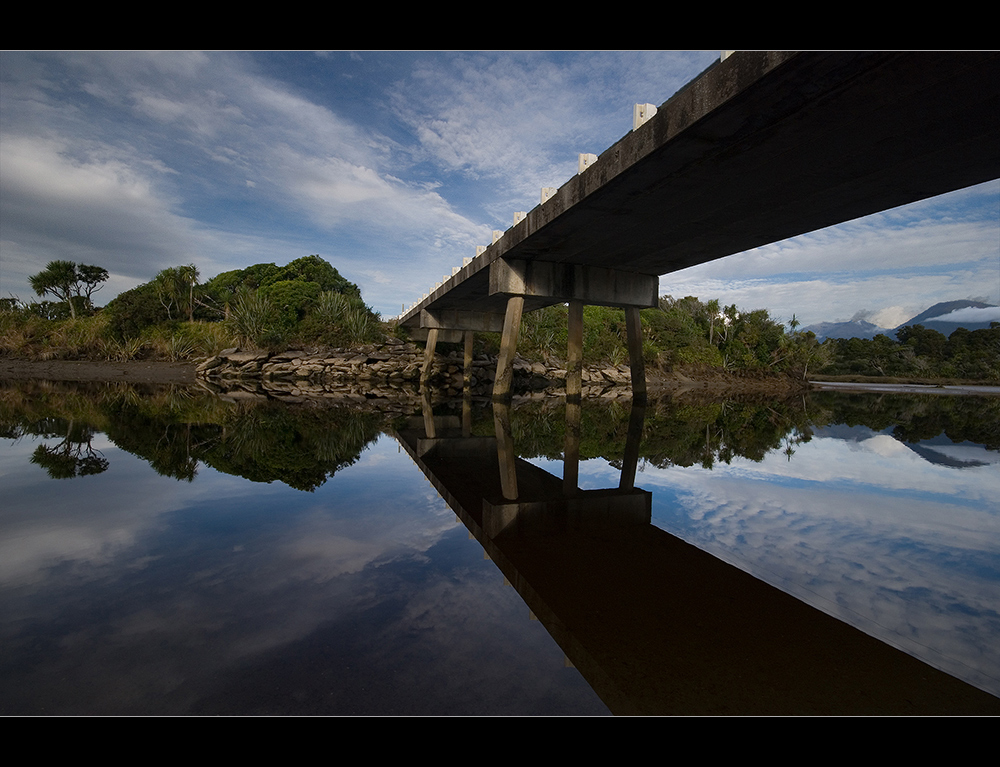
[(69, 282), (91, 279), (175, 289), (189, 276), (57, 279)]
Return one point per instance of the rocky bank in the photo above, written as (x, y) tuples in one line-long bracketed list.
[(391, 370)]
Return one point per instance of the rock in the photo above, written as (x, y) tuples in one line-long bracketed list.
[(211, 362), (243, 357)]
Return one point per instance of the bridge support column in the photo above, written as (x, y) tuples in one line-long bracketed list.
[(505, 450), (508, 347), (432, 339), (571, 449), (467, 362), (630, 462), (637, 365), (544, 283), (574, 351)]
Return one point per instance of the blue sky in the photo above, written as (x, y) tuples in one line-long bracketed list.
[(394, 166)]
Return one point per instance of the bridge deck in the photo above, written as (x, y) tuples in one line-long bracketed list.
[(760, 147)]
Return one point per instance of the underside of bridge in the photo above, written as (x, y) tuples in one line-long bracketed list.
[(760, 147)]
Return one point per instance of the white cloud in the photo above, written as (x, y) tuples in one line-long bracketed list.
[(101, 207), (517, 121), (971, 314)]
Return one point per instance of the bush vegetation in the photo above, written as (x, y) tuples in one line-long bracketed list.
[(679, 332), (308, 303), (919, 352)]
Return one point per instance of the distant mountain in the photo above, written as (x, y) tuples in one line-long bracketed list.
[(852, 329), (931, 318), (937, 317)]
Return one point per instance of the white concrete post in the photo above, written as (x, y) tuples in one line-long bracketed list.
[(641, 113), (585, 161)]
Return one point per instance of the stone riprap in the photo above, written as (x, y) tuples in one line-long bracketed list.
[(389, 370)]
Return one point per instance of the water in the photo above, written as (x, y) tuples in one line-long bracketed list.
[(166, 552)]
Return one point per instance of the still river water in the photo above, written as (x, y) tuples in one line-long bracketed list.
[(167, 551)]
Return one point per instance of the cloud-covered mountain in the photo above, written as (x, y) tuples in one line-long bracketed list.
[(948, 316), (851, 329), (945, 317)]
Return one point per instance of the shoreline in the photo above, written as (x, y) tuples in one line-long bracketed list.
[(186, 373), (190, 373), (140, 371), (899, 388)]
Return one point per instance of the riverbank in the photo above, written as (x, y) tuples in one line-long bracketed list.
[(378, 372), (898, 388), (150, 371), (395, 365)]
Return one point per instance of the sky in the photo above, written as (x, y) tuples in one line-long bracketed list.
[(394, 166)]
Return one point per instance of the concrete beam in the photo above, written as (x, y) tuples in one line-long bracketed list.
[(443, 335), (462, 319), (573, 282)]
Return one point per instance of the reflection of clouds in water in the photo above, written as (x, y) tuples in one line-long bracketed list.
[(221, 583), (85, 522), (353, 522), (880, 463), (903, 548), (308, 538), (883, 445)]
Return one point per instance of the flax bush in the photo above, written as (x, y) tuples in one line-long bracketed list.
[(339, 319), (252, 319)]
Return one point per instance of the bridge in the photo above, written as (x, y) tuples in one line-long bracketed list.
[(760, 147)]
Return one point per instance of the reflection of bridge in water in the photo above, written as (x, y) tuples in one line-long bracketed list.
[(655, 625), (760, 147)]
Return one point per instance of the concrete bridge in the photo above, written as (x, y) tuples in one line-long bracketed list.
[(760, 147)]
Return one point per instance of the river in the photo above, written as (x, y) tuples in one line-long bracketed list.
[(165, 551)]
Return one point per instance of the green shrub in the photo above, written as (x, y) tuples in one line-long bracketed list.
[(292, 300), (131, 312), (253, 320), (340, 319)]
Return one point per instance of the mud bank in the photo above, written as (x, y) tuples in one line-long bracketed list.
[(153, 372)]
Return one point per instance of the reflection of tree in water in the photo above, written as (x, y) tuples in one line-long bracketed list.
[(74, 456), (706, 434), (301, 447), (175, 429), (675, 432)]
